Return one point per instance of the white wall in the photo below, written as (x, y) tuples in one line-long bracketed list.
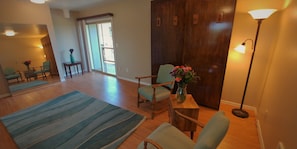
[(131, 29), (15, 51), (24, 12), (66, 35), (278, 109), (244, 27)]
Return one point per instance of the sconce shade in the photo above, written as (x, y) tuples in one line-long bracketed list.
[(260, 14), (9, 33), (240, 48), (38, 1)]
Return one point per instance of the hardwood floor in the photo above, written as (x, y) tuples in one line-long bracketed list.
[(241, 134)]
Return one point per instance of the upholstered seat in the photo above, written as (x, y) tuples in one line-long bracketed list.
[(156, 92), (167, 136), (11, 74)]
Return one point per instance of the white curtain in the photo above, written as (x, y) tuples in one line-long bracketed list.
[(82, 35)]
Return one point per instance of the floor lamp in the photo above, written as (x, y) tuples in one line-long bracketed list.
[(258, 15)]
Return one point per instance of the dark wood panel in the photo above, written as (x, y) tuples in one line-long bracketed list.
[(200, 39), (206, 47), (167, 32)]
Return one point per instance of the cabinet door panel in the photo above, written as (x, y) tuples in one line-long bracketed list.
[(196, 33), (206, 47), (167, 23)]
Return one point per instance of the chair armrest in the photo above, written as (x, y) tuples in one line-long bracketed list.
[(143, 77), (161, 84), (189, 118), (150, 141)]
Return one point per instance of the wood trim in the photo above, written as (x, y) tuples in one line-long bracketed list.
[(96, 16)]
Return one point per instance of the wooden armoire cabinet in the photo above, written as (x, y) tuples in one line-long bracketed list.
[(195, 33), (48, 51)]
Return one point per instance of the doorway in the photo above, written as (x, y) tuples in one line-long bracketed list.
[(101, 47)]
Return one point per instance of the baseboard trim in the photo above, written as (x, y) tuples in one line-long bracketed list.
[(5, 95), (134, 81), (261, 140), (258, 125), (254, 109)]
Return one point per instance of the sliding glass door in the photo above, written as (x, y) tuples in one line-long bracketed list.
[(101, 48)]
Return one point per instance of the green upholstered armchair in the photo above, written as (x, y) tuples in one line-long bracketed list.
[(166, 136), (159, 91), (11, 74), (44, 69)]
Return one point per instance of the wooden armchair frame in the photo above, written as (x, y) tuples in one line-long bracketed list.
[(210, 136), (154, 86), (156, 145)]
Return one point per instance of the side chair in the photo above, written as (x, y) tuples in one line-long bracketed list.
[(156, 92), (44, 69), (166, 136), (10, 74)]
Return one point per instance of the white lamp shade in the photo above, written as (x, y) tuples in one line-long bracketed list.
[(38, 1), (240, 48), (9, 33), (261, 13)]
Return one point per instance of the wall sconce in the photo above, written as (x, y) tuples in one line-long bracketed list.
[(258, 15), (242, 48), (9, 32), (38, 1)]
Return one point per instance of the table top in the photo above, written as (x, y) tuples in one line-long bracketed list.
[(74, 63), (189, 103)]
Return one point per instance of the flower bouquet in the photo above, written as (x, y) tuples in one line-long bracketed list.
[(27, 63), (183, 75)]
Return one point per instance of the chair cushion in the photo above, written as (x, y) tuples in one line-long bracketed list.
[(147, 92), (12, 76), (213, 132), (9, 71), (169, 137)]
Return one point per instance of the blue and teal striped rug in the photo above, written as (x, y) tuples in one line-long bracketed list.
[(22, 86), (73, 120)]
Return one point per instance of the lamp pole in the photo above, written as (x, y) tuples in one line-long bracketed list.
[(240, 112)]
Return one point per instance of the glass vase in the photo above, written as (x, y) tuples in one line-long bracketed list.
[(28, 67), (72, 58), (181, 93)]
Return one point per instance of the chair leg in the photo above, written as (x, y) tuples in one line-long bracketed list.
[(153, 110), (138, 96)]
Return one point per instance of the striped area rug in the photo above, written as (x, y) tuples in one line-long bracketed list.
[(22, 86), (73, 120)]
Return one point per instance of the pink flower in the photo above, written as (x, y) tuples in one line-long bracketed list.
[(177, 79), (183, 74)]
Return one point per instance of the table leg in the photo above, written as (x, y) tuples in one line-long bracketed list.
[(77, 69), (70, 71), (81, 67), (65, 67), (192, 134)]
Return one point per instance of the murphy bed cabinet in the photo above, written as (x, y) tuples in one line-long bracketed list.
[(196, 33)]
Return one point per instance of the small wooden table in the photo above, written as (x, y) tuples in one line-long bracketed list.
[(30, 74), (189, 107), (69, 64)]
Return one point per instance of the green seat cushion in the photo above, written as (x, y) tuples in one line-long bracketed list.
[(147, 92), (169, 137), (12, 76)]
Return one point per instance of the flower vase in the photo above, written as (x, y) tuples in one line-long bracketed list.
[(28, 67), (181, 93), (71, 58)]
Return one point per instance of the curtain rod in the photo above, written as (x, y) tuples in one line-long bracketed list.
[(95, 16)]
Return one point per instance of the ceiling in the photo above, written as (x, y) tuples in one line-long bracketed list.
[(75, 5), (23, 30)]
